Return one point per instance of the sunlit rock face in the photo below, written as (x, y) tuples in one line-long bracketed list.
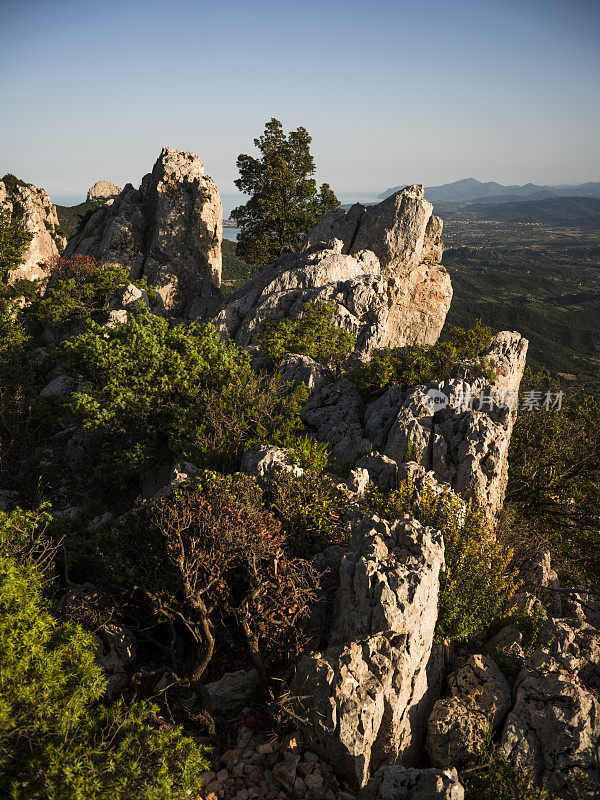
[(168, 231), (379, 265)]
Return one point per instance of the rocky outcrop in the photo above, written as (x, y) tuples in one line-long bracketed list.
[(265, 461), (365, 699), (334, 413), (400, 783), (459, 724), (34, 210), (459, 429), (102, 190), (379, 266), (553, 731), (168, 231)]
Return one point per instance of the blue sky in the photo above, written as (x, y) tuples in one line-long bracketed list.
[(391, 92)]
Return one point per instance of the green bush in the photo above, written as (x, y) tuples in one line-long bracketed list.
[(308, 453), (57, 742), (311, 509), (17, 395), (311, 334), (554, 479), (418, 364), (14, 241), (497, 779), (155, 391), (77, 290), (478, 580)]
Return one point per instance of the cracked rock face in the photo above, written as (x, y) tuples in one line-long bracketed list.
[(378, 265), (169, 231), (36, 213), (465, 444), (366, 697), (399, 783), (458, 726), (553, 730)]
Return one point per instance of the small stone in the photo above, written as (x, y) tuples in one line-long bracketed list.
[(222, 775), (243, 794), (213, 786), (305, 767), (207, 777), (308, 756), (284, 772), (314, 784), (231, 758), (265, 749), (299, 787)]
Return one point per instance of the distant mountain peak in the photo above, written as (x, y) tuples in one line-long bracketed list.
[(470, 190)]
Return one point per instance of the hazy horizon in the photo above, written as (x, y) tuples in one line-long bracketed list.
[(391, 93)]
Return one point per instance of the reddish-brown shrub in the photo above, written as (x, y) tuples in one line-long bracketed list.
[(230, 554), (78, 266)]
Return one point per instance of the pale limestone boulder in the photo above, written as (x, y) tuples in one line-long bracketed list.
[(365, 699), (401, 783), (389, 581), (377, 265), (102, 190), (169, 231), (61, 386), (480, 682), (382, 471), (34, 210), (444, 428), (456, 733), (266, 461), (297, 369)]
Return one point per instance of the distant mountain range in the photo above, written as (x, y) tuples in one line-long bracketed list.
[(469, 190), (578, 211)]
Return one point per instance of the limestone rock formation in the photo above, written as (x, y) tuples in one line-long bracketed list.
[(265, 461), (553, 730), (35, 211), (334, 412), (400, 783), (169, 231), (378, 265), (365, 698), (458, 725), (102, 190), (459, 429)]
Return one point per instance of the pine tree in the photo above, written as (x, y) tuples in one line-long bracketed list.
[(284, 200)]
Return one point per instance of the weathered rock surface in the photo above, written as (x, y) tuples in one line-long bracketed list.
[(379, 266), (553, 730), (231, 692), (458, 726), (334, 413), (297, 369), (459, 429), (365, 698), (265, 461), (36, 213), (169, 231), (102, 190), (401, 783)]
